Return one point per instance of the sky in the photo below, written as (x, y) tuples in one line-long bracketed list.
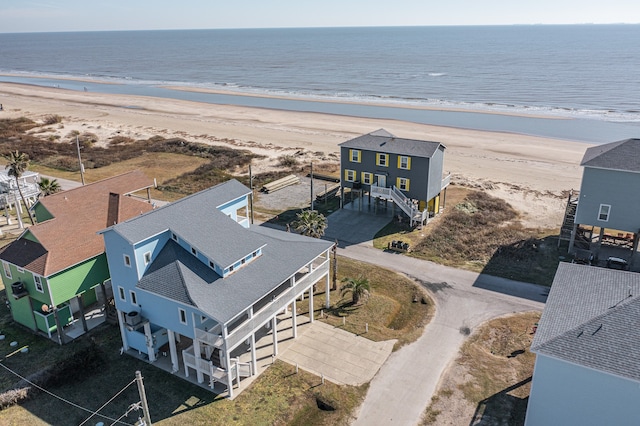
[(91, 15)]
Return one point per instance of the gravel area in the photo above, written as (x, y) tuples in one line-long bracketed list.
[(294, 196)]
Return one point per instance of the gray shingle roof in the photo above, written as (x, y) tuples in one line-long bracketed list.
[(178, 275), (383, 141), (197, 220), (621, 155), (591, 319)]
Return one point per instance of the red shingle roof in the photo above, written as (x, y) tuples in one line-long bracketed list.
[(71, 236)]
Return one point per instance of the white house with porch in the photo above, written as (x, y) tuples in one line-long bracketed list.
[(194, 281)]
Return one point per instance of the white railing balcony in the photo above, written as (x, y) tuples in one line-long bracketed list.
[(243, 331), (212, 339), (379, 191), (446, 181)]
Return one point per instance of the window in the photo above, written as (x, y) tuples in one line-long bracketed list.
[(174, 237), (183, 316), (242, 262), (354, 155), (402, 184), (20, 270), (37, 280), (350, 175), (212, 265), (367, 178), (147, 258), (127, 260), (121, 294), (603, 215), (194, 251), (134, 299), (382, 160), (404, 162), (7, 269)]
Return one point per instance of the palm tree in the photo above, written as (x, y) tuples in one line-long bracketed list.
[(310, 223), (358, 287), (49, 186), (17, 163)]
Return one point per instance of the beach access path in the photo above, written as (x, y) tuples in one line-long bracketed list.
[(404, 385)]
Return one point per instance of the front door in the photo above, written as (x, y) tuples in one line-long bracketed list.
[(381, 180)]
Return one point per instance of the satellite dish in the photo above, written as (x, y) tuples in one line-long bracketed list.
[(45, 308)]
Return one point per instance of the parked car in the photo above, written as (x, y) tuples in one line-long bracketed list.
[(617, 263)]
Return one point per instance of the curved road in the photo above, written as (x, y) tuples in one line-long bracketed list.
[(403, 387)]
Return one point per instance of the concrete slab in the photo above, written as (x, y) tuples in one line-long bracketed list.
[(358, 222), (340, 356)]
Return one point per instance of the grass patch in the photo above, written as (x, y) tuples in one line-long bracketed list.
[(492, 373), (279, 396), (391, 312)]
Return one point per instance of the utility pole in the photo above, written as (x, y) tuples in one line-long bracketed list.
[(334, 249), (80, 160), (311, 174), (143, 399), (251, 188)]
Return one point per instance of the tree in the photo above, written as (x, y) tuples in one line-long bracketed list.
[(17, 163), (49, 186), (358, 287), (310, 223)]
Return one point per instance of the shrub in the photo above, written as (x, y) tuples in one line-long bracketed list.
[(288, 161), (51, 119)]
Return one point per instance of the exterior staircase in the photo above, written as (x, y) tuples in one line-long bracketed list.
[(568, 222), (405, 204)]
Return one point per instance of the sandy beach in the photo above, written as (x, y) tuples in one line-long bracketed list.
[(532, 173)]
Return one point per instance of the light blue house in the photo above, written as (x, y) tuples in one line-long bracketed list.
[(194, 281), (587, 369), (607, 199)]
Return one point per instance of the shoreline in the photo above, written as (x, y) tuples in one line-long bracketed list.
[(530, 172), (521, 122)]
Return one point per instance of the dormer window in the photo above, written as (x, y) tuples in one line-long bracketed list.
[(147, 258), (174, 237), (212, 265), (194, 251)]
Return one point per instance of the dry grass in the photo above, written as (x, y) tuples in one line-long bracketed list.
[(483, 234), (489, 382), (277, 397), (390, 313)]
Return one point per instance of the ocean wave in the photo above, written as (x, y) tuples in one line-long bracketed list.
[(627, 115)]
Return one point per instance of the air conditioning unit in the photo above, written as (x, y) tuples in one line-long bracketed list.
[(133, 318)]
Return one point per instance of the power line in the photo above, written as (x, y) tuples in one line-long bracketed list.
[(59, 397), (135, 406), (106, 403)]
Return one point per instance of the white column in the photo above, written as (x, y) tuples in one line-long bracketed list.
[(227, 364), (274, 332), (196, 351), (149, 338), (327, 302), (254, 360), (123, 332), (311, 304), (294, 319), (173, 351)]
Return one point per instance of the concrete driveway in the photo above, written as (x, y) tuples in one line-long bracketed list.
[(356, 224)]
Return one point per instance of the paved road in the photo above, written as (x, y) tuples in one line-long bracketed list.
[(403, 387)]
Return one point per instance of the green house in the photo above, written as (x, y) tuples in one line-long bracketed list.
[(56, 274)]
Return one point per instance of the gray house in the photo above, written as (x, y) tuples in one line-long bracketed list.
[(608, 194), (407, 172), (587, 369)]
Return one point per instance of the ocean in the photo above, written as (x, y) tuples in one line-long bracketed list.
[(588, 73)]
